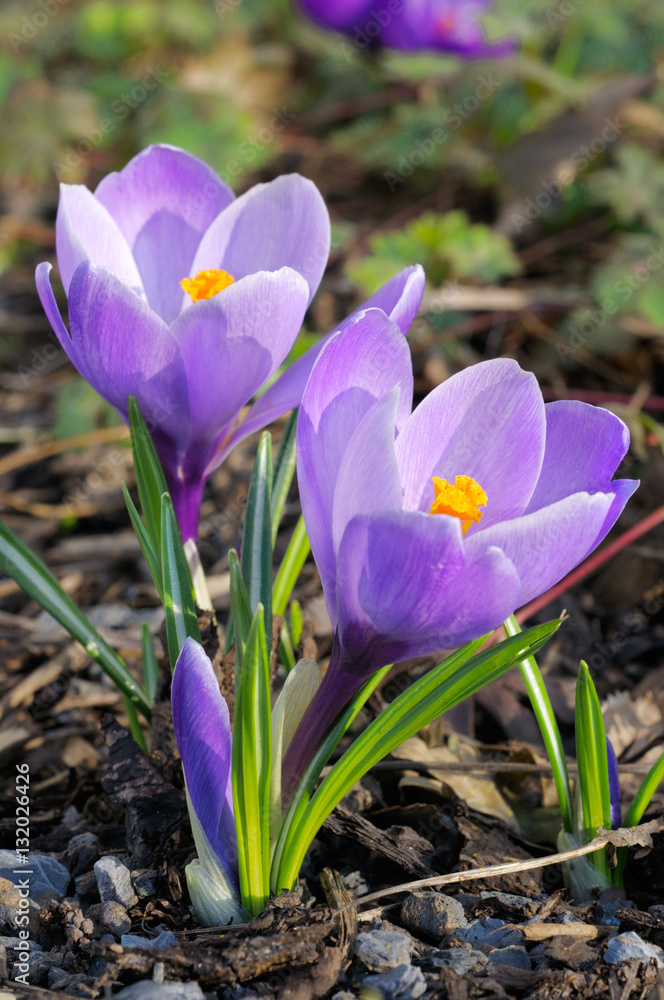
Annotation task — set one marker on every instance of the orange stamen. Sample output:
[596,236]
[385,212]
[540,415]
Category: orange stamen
[460,500]
[207,283]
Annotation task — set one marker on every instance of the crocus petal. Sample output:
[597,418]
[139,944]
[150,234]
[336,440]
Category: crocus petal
[358,365]
[545,545]
[281,224]
[614,785]
[202,728]
[47,298]
[164,198]
[399,298]
[122,348]
[84,230]
[368,477]
[231,344]
[486,422]
[405,587]
[584,447]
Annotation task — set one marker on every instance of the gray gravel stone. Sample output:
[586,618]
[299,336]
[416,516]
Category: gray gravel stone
[82,852]
[382,950]
[55,976]
[113,917]
[432,913]
[513,955]
[490,931]
[508,898]
[606,909]
[406,982]
[629,945]
[48,878]
[459,960]
[356,883]
[566,917]
[145,882]
[114,882]
[164,940]
[343,995]
[148,990]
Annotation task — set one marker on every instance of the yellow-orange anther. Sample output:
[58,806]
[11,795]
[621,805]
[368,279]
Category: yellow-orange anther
[460,500]
[207,283]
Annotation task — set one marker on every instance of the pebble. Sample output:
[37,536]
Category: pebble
[48,878]
[382,950]
[343,995]
[629,945]
[606,909]
[512,955]
[433,913]
[144,882]
[509,899]
[459,960]
[113,917]
[567,917]
[356,883]
[82,852]
[406,982]
[114,882]
[147,990]
[11,905]
[164,940]
[491,931]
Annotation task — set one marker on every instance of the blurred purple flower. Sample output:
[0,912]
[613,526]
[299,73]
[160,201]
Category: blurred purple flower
[409,562]
[193,358]
[408,25]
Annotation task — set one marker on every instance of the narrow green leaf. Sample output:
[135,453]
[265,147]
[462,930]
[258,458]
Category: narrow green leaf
[635,812]
[300,800]
[284,470]
[134,724]
[147,548]
[460,676]
[38,582]
[541,705]
[591,756]
[240,609]
[256,557]
[178,599]
[252,767]
[150,478]
[645,793]
[296,622]
[291,565]
[150,665]
[286,651]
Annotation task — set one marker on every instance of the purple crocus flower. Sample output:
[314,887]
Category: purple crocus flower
[431,528]
[614,786]
[408,25]
[188,299]
[202,728]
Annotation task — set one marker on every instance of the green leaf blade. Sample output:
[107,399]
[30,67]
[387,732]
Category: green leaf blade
[178,597]
[38,582]
[150,478]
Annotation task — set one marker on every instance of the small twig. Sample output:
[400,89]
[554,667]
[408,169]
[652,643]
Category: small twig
[489,767]
[513,867]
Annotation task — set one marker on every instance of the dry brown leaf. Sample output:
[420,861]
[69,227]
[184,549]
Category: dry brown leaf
[480,794]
